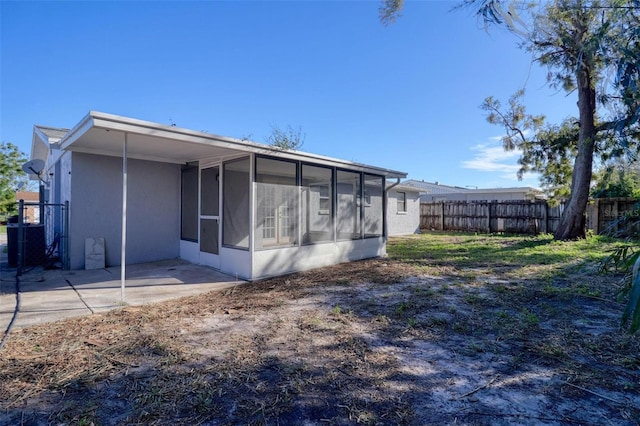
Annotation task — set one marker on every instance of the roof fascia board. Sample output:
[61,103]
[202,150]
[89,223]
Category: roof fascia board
[407,188]
[47,139]
[334,162]
[43,138]
[132,125]
[44,145]
[502,190]
[76,132]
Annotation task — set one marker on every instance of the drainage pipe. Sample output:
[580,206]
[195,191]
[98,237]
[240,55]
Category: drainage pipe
[384,208]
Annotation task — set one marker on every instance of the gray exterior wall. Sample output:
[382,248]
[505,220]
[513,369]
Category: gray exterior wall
[65,177]
[403,223]
[153,215]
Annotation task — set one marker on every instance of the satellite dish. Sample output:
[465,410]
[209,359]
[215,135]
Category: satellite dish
[33,166]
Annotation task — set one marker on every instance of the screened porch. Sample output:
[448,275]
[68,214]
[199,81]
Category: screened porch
[260,203]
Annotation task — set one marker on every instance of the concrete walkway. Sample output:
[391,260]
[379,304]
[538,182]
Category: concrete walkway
[55,294]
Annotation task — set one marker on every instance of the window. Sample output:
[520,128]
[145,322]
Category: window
[348,186]
[189,203]
[402,202]
[235,203]
[276,203]
[324,202]
[373,211]
[316,198]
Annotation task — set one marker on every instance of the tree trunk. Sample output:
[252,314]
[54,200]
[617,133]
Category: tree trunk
[572,223]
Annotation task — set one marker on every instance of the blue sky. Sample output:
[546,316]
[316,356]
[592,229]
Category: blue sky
[405,97]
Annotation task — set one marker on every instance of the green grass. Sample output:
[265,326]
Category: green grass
[3,229]
[466,250]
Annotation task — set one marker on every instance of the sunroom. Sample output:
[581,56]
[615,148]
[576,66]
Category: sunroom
[155,192]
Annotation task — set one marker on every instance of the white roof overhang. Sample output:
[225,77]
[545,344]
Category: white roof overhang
[103,134]
[408,188]
[39,148]
[519,189]
[39,145]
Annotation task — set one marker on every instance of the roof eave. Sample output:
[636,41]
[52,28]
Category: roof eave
[95,119]
[77,131]
[39,145]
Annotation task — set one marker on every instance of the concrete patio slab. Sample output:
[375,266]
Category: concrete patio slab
[55,294]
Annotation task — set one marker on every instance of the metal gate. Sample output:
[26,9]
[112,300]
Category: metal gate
[39,236]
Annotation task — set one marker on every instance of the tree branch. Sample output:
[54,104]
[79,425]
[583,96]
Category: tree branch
[510,127]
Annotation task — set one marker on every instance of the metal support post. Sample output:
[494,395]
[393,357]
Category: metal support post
[65,261]
[20,237]
[124,220]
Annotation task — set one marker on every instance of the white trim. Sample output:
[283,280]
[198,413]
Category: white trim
[39,148]
[206,258]
[252,203]
[123,255]
[78,130]
[125,124]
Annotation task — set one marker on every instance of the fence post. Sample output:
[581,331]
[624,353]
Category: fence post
[489,217]
[41,204]
[20,236]
[65,263]
[442,216]
[595,216]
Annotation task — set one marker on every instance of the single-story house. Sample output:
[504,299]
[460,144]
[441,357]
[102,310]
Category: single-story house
[154,192]
[436,192]
[403,210]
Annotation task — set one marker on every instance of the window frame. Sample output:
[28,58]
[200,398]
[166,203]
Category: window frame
[368,204]
[277,241]
[195,169]
[359,205]
[402,210]
[331,198]
[223,213]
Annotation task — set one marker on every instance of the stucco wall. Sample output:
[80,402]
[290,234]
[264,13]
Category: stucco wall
[403,223]
[153,215]
[291,259]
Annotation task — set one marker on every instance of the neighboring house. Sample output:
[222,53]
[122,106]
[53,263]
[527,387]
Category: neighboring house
[403,210]
[244,208]
[31,214]
[429,189]
[435,192]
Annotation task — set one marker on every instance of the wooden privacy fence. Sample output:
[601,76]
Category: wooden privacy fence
[527,217]
[517,217]
[614,216]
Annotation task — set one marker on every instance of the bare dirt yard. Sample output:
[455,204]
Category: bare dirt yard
[450,329]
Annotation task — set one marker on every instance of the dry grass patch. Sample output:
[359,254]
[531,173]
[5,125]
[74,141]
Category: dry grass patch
[411,340]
